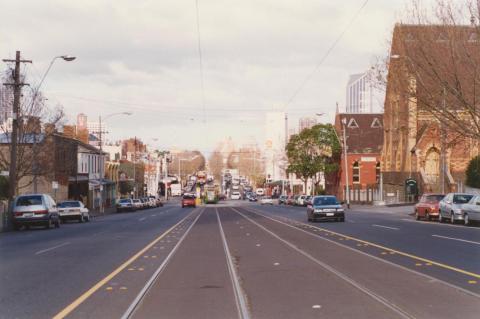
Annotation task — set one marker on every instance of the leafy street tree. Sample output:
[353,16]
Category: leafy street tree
[473,173]
[313,151]
[215,163]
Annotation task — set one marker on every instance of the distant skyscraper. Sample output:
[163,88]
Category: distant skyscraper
[306,122]
[359,94]
[81,121]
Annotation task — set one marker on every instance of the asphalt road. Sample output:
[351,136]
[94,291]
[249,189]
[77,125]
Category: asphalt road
[238,260]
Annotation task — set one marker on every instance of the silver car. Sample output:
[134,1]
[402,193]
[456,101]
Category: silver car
[73,209]
[35,210]
[471,210]
[450,207]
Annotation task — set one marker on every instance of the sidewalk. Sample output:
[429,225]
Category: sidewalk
[403,210]
[107,211]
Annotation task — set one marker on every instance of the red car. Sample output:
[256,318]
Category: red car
[188,200]
[427,207]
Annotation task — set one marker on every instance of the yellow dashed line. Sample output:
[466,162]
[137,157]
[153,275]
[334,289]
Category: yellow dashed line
[109,288]
[418,264]
[472,282]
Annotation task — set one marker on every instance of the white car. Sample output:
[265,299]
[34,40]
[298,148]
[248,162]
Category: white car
[73,209]
[266,200]
[235,195]
[235,187]
[260,192]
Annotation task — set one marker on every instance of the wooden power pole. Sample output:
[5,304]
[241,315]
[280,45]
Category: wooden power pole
[17,90]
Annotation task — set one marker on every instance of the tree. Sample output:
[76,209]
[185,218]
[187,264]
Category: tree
[313,151]
[34,147]
[473,173]
[437,54]
[215,163]
[248,162]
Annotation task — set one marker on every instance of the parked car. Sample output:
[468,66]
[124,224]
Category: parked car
[253,198]
[471,211]
[266,200]
[235,195]
[260,191]
[308,200]
[35,210]
[235,187]
[301,200]
[138,204]
[291,200]
[428,206]
[73,209]
[126,205]
[325,208]
[282,199]
[451,207]
[295,200]
[188,200]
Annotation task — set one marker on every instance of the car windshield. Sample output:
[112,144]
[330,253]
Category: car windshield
[325,201]
[137,201]
[69,204]
[434,198]
[125,201]
[29,200]
[461,199]
[188,197]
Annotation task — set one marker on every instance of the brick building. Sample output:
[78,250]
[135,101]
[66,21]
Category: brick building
[364,132]
[416,143]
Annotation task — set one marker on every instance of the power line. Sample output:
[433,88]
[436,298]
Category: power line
[200,59]
[324,57]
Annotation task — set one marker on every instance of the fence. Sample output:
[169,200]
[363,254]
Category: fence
[373,194]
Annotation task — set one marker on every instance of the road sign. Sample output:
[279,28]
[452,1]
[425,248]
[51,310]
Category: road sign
[4,173]
[54,185]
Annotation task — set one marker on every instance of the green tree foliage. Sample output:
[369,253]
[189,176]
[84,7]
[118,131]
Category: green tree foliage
[473,172]
[313,151]
[126,187]
[3,187]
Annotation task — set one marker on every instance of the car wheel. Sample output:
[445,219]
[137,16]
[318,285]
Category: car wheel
[427,216]
[466,220]
[81,219]
[417,217]
[57,223]
[452,218]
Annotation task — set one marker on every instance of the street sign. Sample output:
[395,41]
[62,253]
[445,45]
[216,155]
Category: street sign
[54,185]
[4,173]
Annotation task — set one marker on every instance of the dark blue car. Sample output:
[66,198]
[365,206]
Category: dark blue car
[325,208]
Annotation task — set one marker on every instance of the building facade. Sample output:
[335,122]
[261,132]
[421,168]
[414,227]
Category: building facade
[417,145]
[364,140]
[359,94]
[275,142]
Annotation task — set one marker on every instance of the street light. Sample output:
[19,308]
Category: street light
[347,181]
[67,58]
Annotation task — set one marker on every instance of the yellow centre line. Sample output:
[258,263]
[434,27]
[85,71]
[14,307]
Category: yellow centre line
[465,272]
[67,310]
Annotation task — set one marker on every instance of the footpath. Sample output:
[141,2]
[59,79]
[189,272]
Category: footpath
[400,210]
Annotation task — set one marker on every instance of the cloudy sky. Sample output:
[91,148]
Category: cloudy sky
[142,57]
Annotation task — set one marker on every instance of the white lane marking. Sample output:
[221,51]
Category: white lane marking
[142,219]
[438,224]
[138,299]
[350,221]
[52,248]
[316,306]
[237,289]
[276,264]
[154,215]
[393,228]
[458,239]
[332,270]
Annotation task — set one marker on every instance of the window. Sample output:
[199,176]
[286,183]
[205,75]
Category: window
[377,172]
[376,123]
[356,173]
[352,123]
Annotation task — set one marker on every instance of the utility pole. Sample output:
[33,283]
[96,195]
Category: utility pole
[347,181]
[134,168]
[443,145]
[17,90]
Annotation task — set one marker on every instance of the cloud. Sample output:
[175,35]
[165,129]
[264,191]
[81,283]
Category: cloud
[144,55]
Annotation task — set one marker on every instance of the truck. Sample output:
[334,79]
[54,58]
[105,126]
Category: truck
[176,189]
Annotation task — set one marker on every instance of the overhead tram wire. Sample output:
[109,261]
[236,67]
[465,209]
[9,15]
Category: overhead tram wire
[324,57]
[200,60]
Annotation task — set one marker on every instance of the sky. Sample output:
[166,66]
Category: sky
[143,57]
